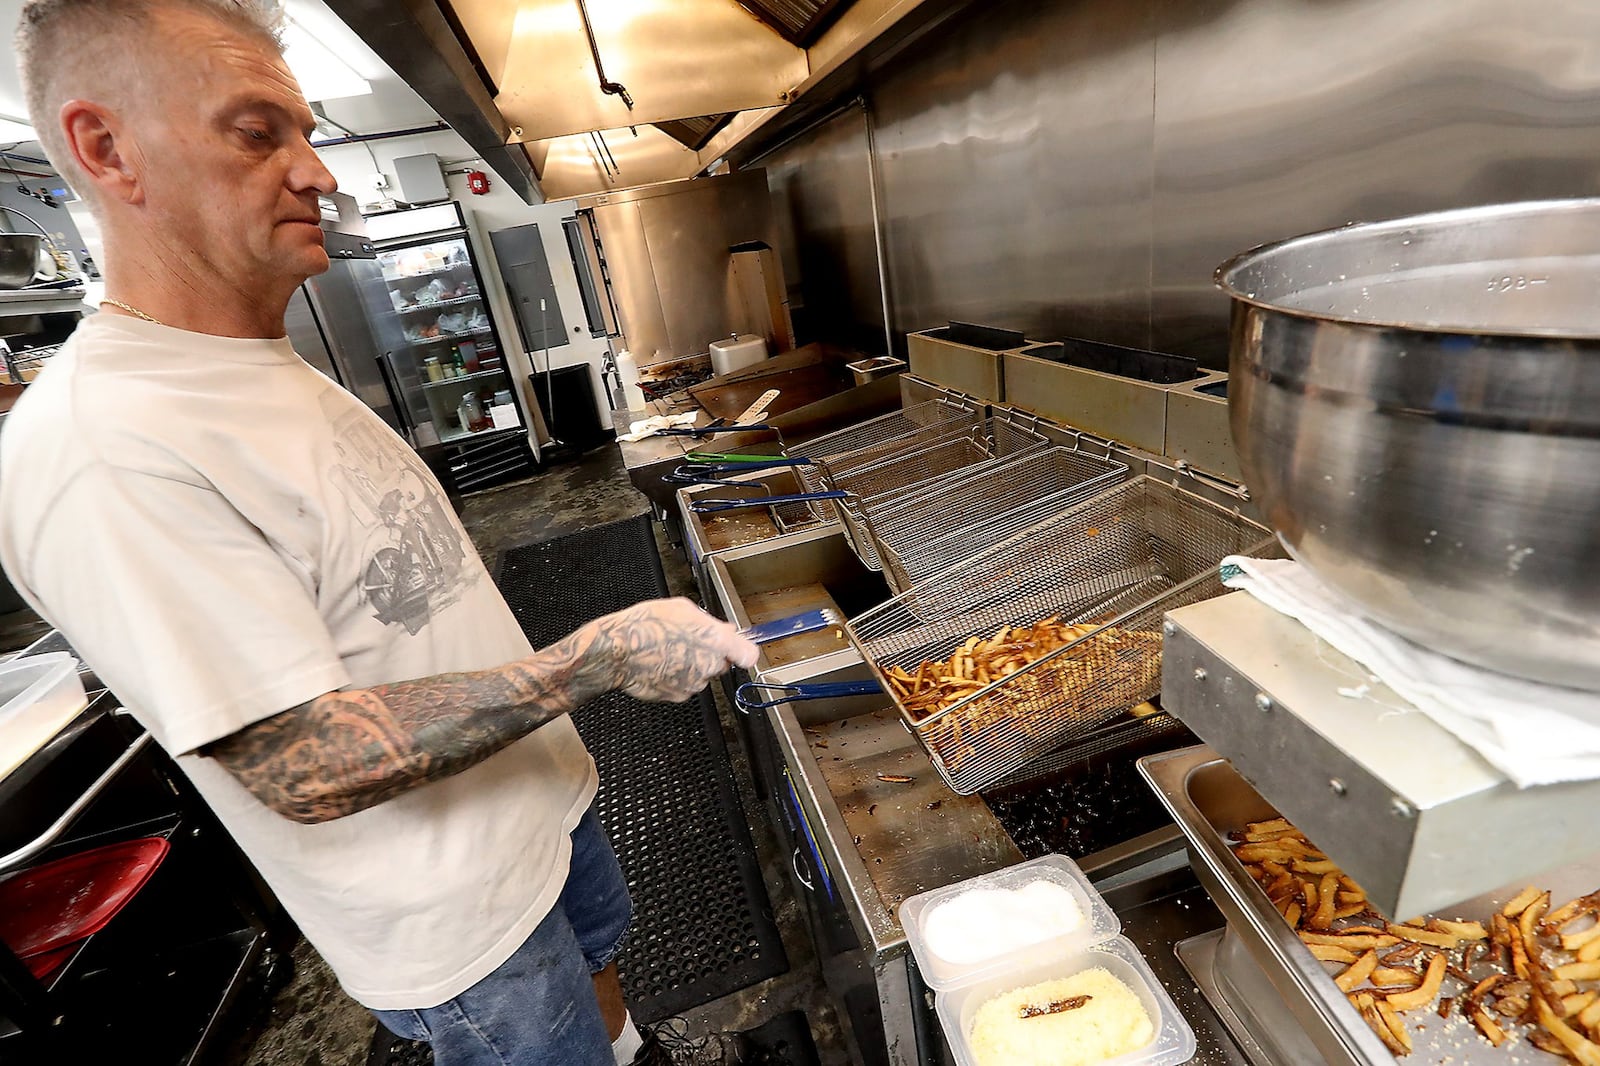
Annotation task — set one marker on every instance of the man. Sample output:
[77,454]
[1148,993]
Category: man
[201,514]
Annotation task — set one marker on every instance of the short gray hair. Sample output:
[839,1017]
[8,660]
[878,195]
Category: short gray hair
[57,39]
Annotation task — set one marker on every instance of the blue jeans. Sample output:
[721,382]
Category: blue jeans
[539,1006]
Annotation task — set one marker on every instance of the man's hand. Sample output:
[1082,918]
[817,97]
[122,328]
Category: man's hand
[346,751]
[667,650]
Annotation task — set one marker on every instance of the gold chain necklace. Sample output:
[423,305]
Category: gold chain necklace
[134,311]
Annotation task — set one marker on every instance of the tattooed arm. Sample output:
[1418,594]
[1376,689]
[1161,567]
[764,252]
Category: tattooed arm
[346,751]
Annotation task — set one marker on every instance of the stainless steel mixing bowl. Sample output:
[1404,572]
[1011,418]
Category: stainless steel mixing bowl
[19,258]
[1416,405]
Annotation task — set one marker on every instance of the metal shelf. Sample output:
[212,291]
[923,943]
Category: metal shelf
[454,301]
[483,434]
[456,380]
[447,268]
[451,337]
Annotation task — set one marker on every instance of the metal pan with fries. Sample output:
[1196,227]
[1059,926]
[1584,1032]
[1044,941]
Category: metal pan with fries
[1510,980]
[1048,636]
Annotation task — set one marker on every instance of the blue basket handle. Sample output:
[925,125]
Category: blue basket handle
[746,695]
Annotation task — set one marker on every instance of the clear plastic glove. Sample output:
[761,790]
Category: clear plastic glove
[667,650]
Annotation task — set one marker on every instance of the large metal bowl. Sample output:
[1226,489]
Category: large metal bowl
[1416,405]
[19,258]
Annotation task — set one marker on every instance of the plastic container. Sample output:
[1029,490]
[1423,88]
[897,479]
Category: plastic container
[39,695]
[1099,922]
[1173,1043]
[628,375]
[44,685]
[736,352]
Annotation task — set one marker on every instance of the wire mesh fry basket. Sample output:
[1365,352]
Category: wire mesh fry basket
[853,447]
[1020,649]
[887,435]
[920,474]
[987,505]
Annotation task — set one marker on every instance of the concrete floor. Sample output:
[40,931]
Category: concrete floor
[313,1023]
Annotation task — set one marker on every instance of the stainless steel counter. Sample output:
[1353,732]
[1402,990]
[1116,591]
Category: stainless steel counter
[886,840]
[864,840]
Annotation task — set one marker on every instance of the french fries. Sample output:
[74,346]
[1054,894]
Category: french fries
[1423,936]
[1389,977]
[1425,993]
[1529,969]
[1580,1047]
[1401,1040]
[1358,972]
[1331,953]
[1460,930]
[1579,971]
[1106,664]
[1519,903]
[1354,942]
[1487,1025]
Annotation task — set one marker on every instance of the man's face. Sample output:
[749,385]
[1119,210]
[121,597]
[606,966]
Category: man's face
[228,173]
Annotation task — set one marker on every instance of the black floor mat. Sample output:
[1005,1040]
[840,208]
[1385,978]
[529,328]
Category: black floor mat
[702,924]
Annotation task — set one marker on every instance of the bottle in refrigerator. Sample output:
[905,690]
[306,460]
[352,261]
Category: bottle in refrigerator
[435,371]
[472,416]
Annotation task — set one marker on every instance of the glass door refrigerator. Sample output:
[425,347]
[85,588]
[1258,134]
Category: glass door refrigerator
[443,359]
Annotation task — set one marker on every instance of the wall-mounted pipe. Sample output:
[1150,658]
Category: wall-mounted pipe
[875,185]
[388,135]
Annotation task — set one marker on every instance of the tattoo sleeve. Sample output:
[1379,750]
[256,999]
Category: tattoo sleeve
[346,751]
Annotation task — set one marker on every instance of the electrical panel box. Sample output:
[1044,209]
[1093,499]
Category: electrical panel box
[420,179]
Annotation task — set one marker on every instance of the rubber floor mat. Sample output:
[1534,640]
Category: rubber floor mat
[702,923]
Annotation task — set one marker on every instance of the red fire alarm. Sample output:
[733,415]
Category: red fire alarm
[478,182]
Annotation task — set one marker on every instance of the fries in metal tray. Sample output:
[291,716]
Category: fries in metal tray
[1522,973]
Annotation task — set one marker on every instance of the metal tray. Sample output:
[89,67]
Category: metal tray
[1209,799]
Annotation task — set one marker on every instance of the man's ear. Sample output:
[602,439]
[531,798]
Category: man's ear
[103,150]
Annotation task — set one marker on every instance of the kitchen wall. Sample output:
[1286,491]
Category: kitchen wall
[1080,167]
[498,209]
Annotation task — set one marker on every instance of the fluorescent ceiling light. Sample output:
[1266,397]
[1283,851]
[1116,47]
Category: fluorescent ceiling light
[14,132]
[321,74]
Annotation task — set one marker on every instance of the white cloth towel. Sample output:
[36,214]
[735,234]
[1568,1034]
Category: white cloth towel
[1535,734]
[646,427]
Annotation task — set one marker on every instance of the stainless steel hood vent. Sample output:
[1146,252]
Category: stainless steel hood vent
[694,133]
[522,81]
[799,22]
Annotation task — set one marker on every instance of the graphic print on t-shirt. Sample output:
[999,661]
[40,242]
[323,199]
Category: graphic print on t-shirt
[412,552]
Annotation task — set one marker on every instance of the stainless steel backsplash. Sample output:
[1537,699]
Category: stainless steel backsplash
[1080,167]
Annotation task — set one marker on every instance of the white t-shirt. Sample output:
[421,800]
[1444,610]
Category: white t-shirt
[223,534]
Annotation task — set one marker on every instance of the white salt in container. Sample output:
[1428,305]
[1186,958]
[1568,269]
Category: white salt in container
[1002,938]
[953,961]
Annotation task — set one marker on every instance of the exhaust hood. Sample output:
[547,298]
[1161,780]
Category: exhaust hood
[797,21]
[678,59]
[600,95]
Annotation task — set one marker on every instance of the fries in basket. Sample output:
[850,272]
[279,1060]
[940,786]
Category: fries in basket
[1507,976]
[1096,680]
